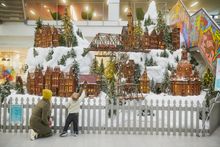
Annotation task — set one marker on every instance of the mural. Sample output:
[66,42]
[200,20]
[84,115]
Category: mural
[198,30]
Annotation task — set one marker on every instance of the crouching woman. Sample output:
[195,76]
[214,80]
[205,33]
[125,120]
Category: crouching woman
[39,121]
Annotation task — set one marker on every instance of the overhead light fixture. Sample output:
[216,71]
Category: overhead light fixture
[107,2]
[194,4]
[48,10]
[216,17]
[73,13]
[87,8]
[3,4]
[45,6]
[94,14]
[64,1]
[126,10]
[32,12]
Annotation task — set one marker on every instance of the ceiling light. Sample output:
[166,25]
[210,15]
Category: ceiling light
[194,4]
[3,4]
[32,12]
[107,2]
[48,10]
[73,13]
[94,14]
[64,1]
[87,8]
[45,6]
[216,17]
[126,9]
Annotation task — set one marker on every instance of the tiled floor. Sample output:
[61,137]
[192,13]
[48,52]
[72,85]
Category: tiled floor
[103,140]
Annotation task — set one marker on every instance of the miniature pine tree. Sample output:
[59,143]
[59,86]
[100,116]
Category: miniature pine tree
[25,68]
[75,42]
[19,88]
[104,84]
[94,66]
[5,90]
[152,85]
[38,24]
[207,79]
[71,53]
[62,60]
[166,82]
[167,38]
[146,62]
[148,22]
[169,67]
[35,53]
[137,73]
[79,33]
[177,59]
[110,70]
[160,22]
[138,29]
[68,34]
[50,55]
[75,68]
[151,61]
[101,68]
[164,54]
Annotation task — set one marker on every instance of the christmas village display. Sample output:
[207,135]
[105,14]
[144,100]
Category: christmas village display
[119,76]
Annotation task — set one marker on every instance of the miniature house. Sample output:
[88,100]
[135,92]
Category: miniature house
[144,86]
[60,83]
[47,36]
[184,81]
[128,71]
[93,84]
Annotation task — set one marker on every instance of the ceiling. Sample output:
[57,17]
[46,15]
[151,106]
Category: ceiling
[12,10]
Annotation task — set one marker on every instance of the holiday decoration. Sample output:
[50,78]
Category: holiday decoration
[134,39]
[19,85]
[92,84]
[144,86]
[184,81]
[60,83]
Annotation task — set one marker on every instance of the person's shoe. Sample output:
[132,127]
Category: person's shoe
[75,134]
[63,134]
[33,135]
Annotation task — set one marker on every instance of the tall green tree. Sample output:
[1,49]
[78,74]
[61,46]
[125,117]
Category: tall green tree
[165,85]
[68,33]
[137,73]
[94,67]
[101,68]
[50,55]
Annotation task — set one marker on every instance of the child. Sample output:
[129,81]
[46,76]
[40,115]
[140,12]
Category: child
[73,107]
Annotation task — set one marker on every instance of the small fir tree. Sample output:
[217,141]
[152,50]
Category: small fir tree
[160,22]
[79,33]
[35,53]
[208,79]
[167,38]
[164,54]
[94,66]
[152,85]
[146,62]
[38,24]
[50,55]
[177,59]
[62,60]
[5,90]
[71,53]
[75,42]
[19,88]
[137,73]
[101,68]
[165,85]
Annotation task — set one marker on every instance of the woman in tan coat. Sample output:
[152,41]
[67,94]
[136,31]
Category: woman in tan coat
[39,121]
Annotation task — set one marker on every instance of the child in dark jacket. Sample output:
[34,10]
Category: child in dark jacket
[73,107]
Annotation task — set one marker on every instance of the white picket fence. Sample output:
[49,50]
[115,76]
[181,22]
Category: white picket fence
[129,117]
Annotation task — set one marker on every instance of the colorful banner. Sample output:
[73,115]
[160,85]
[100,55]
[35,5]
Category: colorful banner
[16,114]
[199,30]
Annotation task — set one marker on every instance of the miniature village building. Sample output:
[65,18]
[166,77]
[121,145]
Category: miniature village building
[60,83]
[93,86]
[128,71]
[184,81]
[47,36]
[144,86]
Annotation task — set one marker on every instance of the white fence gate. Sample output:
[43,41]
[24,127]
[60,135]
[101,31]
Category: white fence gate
[126,117]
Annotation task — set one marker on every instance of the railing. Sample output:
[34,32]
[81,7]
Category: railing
[123,117]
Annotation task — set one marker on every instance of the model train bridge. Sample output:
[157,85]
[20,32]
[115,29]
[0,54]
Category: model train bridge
[104,42]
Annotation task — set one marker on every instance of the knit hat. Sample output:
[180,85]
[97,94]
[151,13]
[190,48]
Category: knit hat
[47,94]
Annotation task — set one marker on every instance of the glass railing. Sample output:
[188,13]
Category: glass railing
[81,10]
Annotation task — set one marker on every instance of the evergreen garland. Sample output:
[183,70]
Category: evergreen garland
[50,55]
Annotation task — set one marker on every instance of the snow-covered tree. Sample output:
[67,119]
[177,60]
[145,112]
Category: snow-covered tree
[208,79]
[62,60]
[164,54]
[137,73]
[5,90]
[148,22]
[35,53]
[68,34]
[165,85]
[50,55]
[160,22]
[177,59]
[152,85]
[71,53]
[94,67]
[101,68]
[79,33]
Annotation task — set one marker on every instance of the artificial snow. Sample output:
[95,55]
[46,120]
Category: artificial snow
[151,12]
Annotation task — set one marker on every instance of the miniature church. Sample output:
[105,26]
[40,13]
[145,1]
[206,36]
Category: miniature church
[185,81]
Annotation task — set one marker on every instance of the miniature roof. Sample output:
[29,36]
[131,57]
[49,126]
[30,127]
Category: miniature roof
[90,79]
